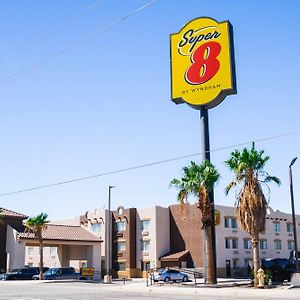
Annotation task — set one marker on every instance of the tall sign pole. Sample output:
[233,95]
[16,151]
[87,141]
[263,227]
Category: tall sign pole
[202,75]
[206,156]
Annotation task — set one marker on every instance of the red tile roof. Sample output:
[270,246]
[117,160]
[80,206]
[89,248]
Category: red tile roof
[11,214]
[174,256]
[64,233]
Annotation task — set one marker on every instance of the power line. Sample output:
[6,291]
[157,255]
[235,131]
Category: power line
[73,44]
[43,34]
[143,166]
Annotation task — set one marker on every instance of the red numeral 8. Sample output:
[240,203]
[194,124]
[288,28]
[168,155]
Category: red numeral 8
[204,63]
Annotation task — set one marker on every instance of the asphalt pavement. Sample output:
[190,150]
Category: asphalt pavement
[137,289]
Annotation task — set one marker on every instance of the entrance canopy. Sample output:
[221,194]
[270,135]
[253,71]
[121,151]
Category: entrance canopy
[74,243]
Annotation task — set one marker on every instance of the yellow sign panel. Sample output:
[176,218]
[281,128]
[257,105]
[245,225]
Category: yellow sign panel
[202,63]
[88,271]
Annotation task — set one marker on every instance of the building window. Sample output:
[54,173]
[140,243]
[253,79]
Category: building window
[247,244]
[289,227]
[120,226]
[277,244]
[227,243]
[226,222]
[276,226]
[233,223]
[145,245]
[263,244]
[121,266]
[30,251]
[235,263]
[145,225]
[96,228]
[145,265]
[235,243]
[291,245]
[230,222]
[248,262]
[53,250]
[231,243]
[121,245]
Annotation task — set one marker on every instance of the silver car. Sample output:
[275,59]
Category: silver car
[168,275]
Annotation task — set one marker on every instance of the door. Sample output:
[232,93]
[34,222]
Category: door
[228,268]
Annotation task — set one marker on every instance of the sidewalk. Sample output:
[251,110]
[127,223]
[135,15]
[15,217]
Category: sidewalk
[228,288]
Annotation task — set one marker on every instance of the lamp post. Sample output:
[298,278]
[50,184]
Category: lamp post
[293,214]
[108,277]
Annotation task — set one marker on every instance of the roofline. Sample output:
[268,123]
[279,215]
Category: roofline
[59,240]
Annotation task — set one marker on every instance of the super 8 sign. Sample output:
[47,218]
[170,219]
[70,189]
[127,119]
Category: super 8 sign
[202,63]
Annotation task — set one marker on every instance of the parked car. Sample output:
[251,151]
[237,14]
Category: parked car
[22,274]
[279,268]
[60,273]
[168,275]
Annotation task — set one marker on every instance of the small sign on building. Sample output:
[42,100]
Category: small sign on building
[88,271]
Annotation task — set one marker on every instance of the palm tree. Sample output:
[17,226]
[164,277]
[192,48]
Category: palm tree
[199,180]
[37,225]
[251,205]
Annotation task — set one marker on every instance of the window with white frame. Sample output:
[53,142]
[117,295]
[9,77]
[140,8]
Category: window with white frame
[235,244]
[233,223]
[291,245]
[231,243]
[289,227]
[277,244]
[145,225]
[276,226]
[230,222]
[121,245]
[30,251]
[145,245]
[247,244]
[263,245]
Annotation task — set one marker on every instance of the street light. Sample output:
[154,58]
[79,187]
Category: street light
[293,214]
[108,239]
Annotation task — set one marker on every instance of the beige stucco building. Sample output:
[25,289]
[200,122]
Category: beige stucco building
[151,237]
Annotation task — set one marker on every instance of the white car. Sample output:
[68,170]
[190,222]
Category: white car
[168,275]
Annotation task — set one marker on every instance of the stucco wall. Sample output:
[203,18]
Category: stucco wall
[243,255]
[15,250]
[162,232]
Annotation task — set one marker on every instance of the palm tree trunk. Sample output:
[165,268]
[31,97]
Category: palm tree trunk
[41,264]
[256,262]
[210,275]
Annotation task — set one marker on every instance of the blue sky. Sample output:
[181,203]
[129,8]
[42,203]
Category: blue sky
[104,104]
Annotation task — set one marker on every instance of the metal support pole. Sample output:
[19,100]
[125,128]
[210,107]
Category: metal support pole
[206,156]
[293,214]
[109,236]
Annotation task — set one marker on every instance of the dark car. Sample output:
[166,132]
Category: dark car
[22,274]
[60,273]
[279,268]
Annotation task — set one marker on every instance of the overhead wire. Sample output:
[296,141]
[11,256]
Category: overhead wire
[73,44]
[45,33]
[143,165]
